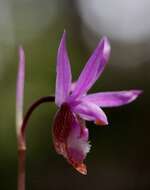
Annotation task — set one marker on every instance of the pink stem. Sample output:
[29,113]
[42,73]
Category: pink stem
[21,169]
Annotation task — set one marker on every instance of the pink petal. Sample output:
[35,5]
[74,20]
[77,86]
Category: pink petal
[92,69]
[78,146]
[20,89]
[113,99]
[91,111]
[63,79]
[78,139]
[70,137]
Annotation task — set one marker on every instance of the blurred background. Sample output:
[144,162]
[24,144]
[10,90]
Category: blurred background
[120,155]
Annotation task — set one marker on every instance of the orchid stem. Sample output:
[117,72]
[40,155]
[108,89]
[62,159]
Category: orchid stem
[21,169]
[22,141]
[32,108]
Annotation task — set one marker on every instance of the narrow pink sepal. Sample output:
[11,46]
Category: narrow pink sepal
[63,70]
[20,89]
[114,98]
[93,68]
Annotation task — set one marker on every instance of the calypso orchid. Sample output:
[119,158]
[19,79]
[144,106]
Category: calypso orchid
[70,135]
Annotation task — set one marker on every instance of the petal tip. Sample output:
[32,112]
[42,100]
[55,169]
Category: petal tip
[137,92]
[64,35]
[21,53]
[101,123]
[105,39]
[64,31]
[62,41]
[106,47]
[81,168]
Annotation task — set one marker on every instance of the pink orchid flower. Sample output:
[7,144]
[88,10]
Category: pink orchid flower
[70,135]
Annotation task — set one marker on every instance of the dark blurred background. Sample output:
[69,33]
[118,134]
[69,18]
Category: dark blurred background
[119,158]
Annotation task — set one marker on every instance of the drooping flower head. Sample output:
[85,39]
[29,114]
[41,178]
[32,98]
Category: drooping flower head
[70,135]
